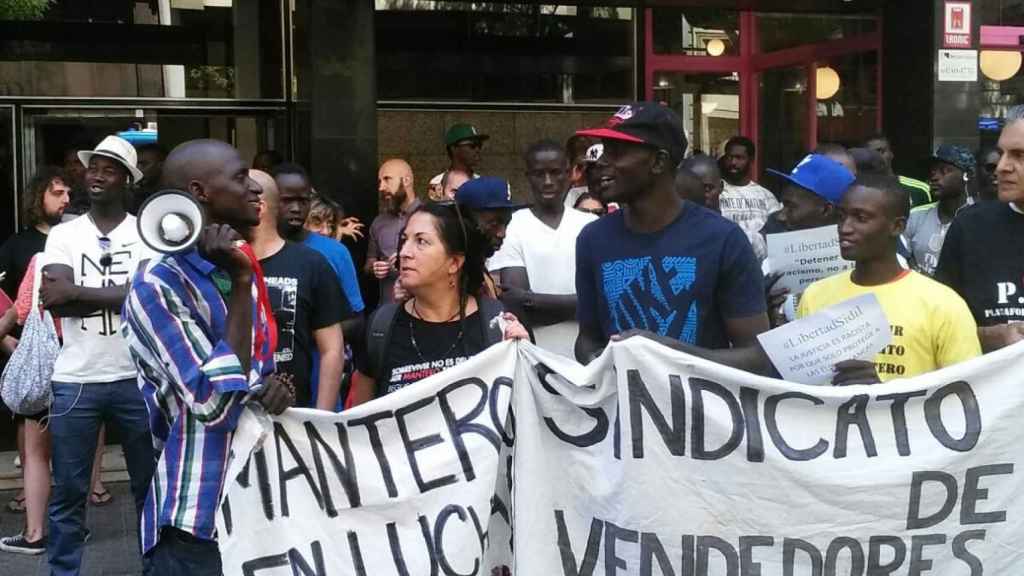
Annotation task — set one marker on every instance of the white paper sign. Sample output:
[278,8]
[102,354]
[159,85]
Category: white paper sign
[805,256]
[958,65]
[806,350]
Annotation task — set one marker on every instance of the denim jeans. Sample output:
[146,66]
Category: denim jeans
[179,553]
[78,410]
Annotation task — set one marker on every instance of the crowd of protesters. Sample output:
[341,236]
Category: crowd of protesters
[625,234]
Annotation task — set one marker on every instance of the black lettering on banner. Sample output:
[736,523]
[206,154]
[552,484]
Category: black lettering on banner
[899,417]
[917,480]
[396,547]
[357,554]
[378,447]
[482,535]
[832,556]
[960,551]
[300,469]
[251,567]
[899,555]
[689,555]
[704,546]
[640,401]
[569,564]
[747,544]
[918,563]
[650,550]
[345,473]
[755,442]
[789,549]
[973,493]
[617,433]
[587,439]
[859,418]
[414,445]
[972,416]
[225,511]
[508,435]
[698,450]
[612,534]
[439,526]
[299,565]
[771,406]
[262,479]
[459,426]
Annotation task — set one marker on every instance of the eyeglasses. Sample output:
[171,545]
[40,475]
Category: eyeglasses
[106,259]
[476,144]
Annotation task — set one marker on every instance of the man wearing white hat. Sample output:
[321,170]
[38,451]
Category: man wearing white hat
[89,262]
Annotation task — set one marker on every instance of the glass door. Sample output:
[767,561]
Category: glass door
[8,179]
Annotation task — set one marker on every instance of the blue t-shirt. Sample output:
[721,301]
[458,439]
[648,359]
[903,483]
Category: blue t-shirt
[341,261]
[683,281]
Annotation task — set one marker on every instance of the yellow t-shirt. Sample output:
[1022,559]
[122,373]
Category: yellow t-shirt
[931,325]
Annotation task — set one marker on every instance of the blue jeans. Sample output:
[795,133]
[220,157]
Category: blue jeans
[179,553]
[78,410]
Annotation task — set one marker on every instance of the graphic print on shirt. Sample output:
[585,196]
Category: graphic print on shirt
[1010,300]
[105,321]
[284,297]
[644,293]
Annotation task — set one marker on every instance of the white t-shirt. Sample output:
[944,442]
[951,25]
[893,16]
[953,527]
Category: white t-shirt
[749,207]
[94,350]
[549,256]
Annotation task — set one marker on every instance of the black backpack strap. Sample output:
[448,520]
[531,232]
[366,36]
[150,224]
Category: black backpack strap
[378,335]
[488,309]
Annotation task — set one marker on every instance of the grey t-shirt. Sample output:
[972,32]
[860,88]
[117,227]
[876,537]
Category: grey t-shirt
[384,233]
[925,234]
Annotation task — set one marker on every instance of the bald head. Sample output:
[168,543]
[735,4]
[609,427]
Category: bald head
[271,195]
[395,185]
[214,173]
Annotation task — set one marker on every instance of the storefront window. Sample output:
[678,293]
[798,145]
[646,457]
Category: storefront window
[779,31]
[783,117]
[849,116]
[709,105]
[497,52]
[696,31]
[170,48]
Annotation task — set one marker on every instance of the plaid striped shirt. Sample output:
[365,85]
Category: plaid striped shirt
[175,321]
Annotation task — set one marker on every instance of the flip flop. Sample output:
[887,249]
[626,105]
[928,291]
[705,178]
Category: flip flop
[100,499]
[16,505]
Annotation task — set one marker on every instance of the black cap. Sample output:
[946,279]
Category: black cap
[647,123]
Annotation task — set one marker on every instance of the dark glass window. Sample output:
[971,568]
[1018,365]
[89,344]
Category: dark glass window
[462,51]
[779,31]
[127,48]
[696,31]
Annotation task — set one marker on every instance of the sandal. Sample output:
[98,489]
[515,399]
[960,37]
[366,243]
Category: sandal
[17,504]
[101,498]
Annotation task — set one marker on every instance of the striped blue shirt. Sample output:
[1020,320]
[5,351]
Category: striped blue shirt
[175,321]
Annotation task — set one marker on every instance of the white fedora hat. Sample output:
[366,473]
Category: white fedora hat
[115,148]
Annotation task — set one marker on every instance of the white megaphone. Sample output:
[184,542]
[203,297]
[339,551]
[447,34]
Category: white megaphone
[170,221]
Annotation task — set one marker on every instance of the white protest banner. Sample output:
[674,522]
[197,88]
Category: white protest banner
[652,462]
[806,350]
[410,484]
[805,256]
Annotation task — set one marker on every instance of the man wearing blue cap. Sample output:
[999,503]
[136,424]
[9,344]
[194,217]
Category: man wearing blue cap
[950,171]
[537,264]
[488,200]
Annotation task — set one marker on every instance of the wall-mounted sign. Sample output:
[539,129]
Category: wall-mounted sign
[956,32]
[958,65]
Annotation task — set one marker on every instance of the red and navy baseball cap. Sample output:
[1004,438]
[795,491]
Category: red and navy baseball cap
[820,175]
[486,193]
[647,123]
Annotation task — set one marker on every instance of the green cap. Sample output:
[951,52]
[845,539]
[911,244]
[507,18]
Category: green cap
[459,132]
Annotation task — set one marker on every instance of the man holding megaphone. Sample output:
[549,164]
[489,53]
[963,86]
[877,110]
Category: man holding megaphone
[199,326]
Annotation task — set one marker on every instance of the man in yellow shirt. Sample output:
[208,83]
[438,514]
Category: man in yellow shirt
[931,325]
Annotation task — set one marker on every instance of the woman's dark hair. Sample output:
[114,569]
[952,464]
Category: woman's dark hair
[32,196]
[588,196]
[460,235]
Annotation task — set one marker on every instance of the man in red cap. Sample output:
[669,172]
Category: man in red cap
[663,267]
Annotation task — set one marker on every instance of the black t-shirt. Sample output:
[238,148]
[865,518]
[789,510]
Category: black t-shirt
[983,260]
[418,349]
[15,255]
[305,296]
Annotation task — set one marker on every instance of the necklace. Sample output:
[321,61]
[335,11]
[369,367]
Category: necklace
[412,334]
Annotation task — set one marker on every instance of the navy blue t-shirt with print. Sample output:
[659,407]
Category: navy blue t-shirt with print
[682,281]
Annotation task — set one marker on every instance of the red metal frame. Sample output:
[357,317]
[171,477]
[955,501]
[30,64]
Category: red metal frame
[751,62]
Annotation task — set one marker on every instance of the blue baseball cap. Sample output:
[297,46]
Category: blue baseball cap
[486,193]
[821,175]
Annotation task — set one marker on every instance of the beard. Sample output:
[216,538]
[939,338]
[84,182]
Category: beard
[393,204]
